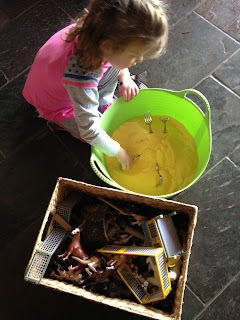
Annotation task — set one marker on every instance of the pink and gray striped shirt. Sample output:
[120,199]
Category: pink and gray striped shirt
[61,90]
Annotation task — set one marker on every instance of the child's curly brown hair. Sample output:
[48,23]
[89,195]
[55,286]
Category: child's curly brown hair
[121,22]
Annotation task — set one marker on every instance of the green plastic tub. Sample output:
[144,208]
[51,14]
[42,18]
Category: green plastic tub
[159,102]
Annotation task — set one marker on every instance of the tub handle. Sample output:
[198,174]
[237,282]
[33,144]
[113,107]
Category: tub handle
[96,169]
[207,116]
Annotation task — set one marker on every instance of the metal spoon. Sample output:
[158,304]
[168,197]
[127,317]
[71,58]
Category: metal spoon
[136,157]
[160,176]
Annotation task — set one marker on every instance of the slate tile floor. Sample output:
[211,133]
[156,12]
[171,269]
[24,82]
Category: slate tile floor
[203,53]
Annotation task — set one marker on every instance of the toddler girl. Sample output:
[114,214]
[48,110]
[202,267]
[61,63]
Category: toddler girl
[75,73]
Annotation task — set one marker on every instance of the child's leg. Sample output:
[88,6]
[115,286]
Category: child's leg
[106,88]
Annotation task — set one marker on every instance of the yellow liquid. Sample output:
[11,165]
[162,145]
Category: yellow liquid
[174,151]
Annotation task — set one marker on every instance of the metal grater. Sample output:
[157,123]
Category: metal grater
[134,285]
[64,208]
[43,255]
[157,254]
[160,232]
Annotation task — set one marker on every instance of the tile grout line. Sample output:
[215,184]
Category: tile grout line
[225,33]
[74,158]
[210,74]
[195,295]
[3,155]
[9,21]
[14,78]
[202,17]
[21,13]
[207,171]
[220,161]
[59,6]
[188,13]
[24,143]
[4,75]
[236,166]
[217,295]
[225,86]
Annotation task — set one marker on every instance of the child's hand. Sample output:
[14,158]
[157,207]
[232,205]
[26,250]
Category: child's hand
[124,159]
[127,87]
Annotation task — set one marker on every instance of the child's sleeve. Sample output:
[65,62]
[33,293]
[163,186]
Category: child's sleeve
[85,103]
[82,88]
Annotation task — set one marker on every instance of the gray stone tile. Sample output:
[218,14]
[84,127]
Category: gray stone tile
[229,73]
[190,55]
[93,178]
[175,9]
[31,30]
[215,252]
[178,9]
[80,154]
[225,118]
[3,18]
[73,7]
[79,151]
[224,14]
[226,306]
[27,182]
[191,305]
[2,156]
[2,79]
[18,119]
[14,8]
[235,157]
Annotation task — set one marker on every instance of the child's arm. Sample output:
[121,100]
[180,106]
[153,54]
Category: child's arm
[85,104]
[83,91]
[127,87]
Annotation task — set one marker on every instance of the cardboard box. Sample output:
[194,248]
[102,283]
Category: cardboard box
[62,189]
